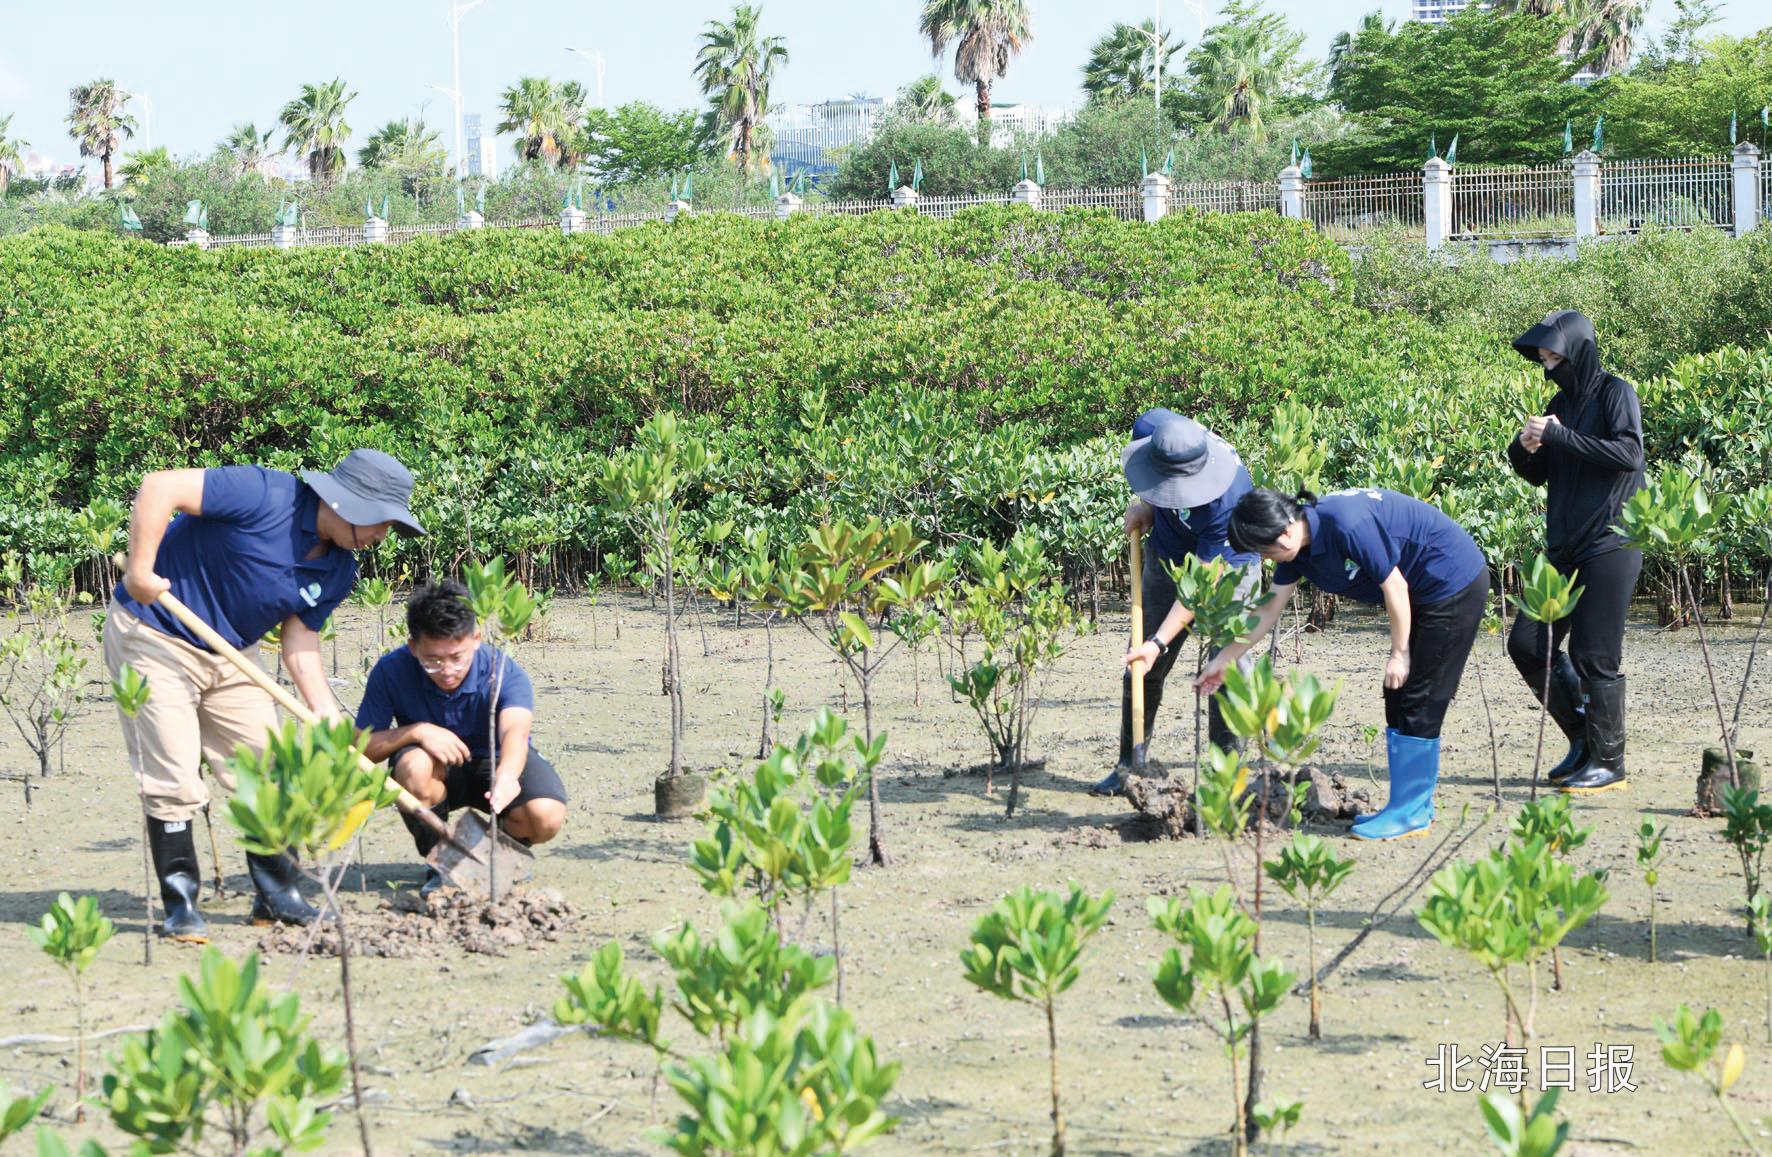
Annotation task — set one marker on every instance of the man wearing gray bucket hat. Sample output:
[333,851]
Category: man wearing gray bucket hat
[1187,480]
[246,549]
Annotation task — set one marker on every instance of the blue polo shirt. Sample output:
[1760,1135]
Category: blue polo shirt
[399,693]
[1359,536]
[243,564]
[1202,531]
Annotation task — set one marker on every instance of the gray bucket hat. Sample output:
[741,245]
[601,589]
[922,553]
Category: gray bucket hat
[1181,464]
[366,489]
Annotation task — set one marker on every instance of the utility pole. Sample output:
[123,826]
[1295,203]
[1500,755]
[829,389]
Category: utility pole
[457,9]
[596,59]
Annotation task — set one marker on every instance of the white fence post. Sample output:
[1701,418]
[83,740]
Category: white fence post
[197,237]
[677,208]
[786,206]
[470,220]
[1292,192]
[1027,193]
[1436,201]
[1154,190]
[904,197]
[572,220]
[1586,174]
[1747,187]
[375,231]
[283,236]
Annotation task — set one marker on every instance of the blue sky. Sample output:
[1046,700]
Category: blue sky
[208,64]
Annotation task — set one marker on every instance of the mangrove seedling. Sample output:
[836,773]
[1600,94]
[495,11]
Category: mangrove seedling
[97,527]
[234,1060]
[308,793]
[1215,956]
[1221,616]
[1747,826]
[745,583]
[377,594]
[839,577]
[503,607]
[1753,513]
[1690,1044]
[1308,870]
[1524,1134]
[1546,596]
[1507,910]
[1649,859]
[645,483]
[1028,949]
[1278,1117]
[1552,819]
[1674,516]
[42,667]
[1015,602]
[71,934]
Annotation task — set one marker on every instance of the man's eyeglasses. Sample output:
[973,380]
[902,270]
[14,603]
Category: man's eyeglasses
[438,666]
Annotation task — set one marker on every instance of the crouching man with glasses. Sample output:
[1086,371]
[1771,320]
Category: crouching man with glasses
[427,707]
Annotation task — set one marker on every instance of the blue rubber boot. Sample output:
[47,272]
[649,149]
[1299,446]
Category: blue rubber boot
[1415,770]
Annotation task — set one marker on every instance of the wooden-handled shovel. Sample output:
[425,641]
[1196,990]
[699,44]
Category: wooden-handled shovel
[408,802]
[1137,565]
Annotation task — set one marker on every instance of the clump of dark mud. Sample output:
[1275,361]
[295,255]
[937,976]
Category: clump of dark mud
[444,923]
[1163,805]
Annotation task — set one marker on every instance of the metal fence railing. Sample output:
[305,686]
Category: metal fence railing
[1345,207]
[398,234]
[1226,196]
[844,208]
[1125,201]
[1527,202]
[239,241]
[947,206]
[1676,193]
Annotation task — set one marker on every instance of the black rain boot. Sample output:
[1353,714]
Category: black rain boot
[1115,781]
[1568,709]
[1604,769]
[426,840]
[279,898]
[175,862]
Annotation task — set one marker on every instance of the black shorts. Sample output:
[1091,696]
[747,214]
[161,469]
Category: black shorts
[467,783]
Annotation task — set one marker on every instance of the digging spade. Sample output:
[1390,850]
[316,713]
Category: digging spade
[463,856]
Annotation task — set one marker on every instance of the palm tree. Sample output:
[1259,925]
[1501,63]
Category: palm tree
[545,116]
[1119,65]
[925,101]
[97,122]
[1345,49]
[988,32]
[314,123]
[11,152]
[1607,30]
[1243,63]
[144,167]
[249,148]
[401,144]
[735,65]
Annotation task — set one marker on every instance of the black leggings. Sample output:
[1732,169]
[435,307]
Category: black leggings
[1594,630]
[1440,639]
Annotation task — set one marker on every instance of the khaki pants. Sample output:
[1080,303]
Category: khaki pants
[200,708]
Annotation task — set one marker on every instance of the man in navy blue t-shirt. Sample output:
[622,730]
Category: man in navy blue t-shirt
[428,707]
[1186,481]
[246,549]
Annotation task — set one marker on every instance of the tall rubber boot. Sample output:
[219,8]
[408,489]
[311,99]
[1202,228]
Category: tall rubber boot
[1414,772]
[278,899]
[1604,768]
[1568,709]
[175,863]
[426,840]
[1115,781]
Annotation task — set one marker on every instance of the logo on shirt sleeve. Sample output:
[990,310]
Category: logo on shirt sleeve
[1353,569]
[310,594]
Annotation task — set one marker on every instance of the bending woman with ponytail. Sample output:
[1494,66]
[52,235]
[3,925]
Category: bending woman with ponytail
[1385,549]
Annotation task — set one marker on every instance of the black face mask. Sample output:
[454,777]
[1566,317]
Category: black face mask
[1563,373]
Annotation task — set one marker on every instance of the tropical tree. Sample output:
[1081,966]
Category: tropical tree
[735,65]
[404,146]
[545,116]
[143,167]
[1600,33]
[1244,65]
[314,124]
[637,142]
[1119,64]
[1348,47]
[986,33]
[248,148]
[12,152]
[925,101]
[97,123]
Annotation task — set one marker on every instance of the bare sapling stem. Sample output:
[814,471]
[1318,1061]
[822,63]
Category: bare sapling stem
[837,941]
[1494,751]
[1753,651]
[79,1047]
[1052,1057]
[1310,918]
[329,882]
[1550,647]
[1711,673]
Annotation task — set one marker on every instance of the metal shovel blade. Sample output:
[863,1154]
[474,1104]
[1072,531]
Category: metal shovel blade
[465,865]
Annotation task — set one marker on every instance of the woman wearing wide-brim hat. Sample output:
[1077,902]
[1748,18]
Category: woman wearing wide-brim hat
[1186,480]
[1385,549]
[1586,450]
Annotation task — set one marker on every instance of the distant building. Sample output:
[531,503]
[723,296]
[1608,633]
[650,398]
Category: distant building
[806,135]
[482,150]
[1436,11]
[1012,122]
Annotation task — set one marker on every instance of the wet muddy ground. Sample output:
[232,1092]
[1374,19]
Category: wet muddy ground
[1138,1077]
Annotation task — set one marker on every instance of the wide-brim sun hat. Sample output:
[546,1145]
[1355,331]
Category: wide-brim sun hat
[366,489]
[1181,464]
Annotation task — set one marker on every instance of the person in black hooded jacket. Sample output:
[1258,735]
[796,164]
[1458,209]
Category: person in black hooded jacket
[1587,452]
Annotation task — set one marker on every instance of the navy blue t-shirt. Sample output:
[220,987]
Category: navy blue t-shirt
[1359,536]
[243,565]
[399,693]
[1202,531]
